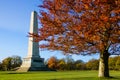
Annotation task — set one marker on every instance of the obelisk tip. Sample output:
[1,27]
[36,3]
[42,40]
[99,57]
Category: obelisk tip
[34,12]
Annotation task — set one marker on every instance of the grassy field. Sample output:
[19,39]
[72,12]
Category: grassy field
[58,75]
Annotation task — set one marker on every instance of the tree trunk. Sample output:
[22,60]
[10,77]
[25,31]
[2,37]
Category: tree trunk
[103,65]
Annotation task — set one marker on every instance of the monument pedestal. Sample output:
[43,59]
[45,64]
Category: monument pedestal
[33,64]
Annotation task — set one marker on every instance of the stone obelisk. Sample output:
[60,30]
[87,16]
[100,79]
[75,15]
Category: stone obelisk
[33,47]
[33,62]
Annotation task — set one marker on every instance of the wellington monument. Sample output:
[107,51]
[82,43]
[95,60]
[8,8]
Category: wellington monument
[33,61]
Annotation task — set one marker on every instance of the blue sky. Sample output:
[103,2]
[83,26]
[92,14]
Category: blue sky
[14,28]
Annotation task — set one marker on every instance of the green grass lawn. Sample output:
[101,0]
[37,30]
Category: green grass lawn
[58,75]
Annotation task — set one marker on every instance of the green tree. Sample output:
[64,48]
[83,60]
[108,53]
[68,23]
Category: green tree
[10,63]
[61,65]
[79,65]
[69,62]
[93,64]
[16,61]
[81,27]
[112,63]
[117,67]
[6,64]
[0,66]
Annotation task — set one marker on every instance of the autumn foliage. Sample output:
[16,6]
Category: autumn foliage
[52,62]
[76,26]
[81,27]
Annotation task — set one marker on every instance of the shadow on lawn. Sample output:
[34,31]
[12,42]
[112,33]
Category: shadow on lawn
[87,78]
[8,73]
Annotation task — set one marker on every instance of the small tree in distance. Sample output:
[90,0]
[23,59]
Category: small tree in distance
[92,64]
[6,64]
[81,27]
[52,63]
[10,63]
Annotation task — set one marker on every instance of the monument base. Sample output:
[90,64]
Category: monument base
[33,64]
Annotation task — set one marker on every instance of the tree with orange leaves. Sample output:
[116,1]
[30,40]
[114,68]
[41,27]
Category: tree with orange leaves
[81,27]
[52,63]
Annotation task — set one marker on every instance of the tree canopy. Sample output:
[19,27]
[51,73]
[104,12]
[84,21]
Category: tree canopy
[80,26]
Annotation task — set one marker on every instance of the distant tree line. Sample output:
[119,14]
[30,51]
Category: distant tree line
[10,63]
[69,64]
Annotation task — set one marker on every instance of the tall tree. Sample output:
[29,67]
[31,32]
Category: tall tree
[81,27]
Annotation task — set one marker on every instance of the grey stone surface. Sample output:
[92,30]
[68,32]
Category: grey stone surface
[33,61]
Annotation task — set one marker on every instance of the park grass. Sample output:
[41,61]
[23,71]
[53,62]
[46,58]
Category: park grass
[56,75]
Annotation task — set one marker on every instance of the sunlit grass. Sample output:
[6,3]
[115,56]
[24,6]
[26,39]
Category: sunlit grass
[57,75]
